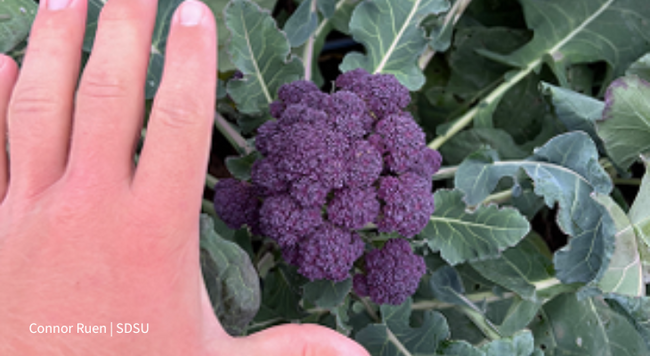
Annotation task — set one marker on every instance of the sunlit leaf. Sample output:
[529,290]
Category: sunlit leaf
[565,171]
[461,235]
[17,17]
[390,31]
[231,280]
[625,125]
[395,336]
[583,31]
[261,52]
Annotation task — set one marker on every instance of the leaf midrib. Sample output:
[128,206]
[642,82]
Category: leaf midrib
[391,49]
[458,221]
[254,60]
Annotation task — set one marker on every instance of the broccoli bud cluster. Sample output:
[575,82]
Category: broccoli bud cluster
[332,164]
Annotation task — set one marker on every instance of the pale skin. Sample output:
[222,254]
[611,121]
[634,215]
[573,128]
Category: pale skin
[85,235]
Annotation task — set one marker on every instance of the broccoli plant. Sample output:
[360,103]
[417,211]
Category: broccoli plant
[428,177]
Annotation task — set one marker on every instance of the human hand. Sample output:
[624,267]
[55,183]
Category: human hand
[86,237]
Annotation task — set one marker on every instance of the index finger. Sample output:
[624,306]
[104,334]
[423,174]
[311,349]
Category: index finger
[171,171]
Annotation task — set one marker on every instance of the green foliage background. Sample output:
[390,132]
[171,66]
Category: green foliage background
[541,109]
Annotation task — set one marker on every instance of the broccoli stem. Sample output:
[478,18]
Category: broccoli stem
[234,137]
[210,181]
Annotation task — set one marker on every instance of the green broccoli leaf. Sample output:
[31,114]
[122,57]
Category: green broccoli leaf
[462,236]
[519,268]
[578,112]
[231,279]
[16,17]
[281,295]
[520,344]
[565,171]
[581,31]
[390,31]
[636,310]
[240,167]
[469,141]
[625,128]
[261,52]
[640,218]
[640,68]
[302,23]
[625,272]
[327,294]
[217,7]
[395,337]
[569,326]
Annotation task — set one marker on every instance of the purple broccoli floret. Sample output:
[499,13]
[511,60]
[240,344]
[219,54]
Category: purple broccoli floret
[266,141]
[408,204]
[349,114]
[328,253]
[365,164]
[266,175]
[402,139]
[282,219]
[427,163]
[392,273]
[292,93]
[353,208]
[317,100]
[276,109]
[236,203]
[309,193]
[302,113]
[353,80]
[314,151]
[383,93]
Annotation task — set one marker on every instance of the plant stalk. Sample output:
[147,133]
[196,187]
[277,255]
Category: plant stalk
[468,117]
[308,50]
[454,15]
[234,137]
[210,181]
[445,173]
[488,329]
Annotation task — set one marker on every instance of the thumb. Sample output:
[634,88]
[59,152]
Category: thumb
[298,340]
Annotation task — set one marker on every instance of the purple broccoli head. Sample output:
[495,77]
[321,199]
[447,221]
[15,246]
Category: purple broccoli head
[392,273]
[332,164]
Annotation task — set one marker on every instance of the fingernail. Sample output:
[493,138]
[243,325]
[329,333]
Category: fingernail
[54,5]
[191,13]
[3,61]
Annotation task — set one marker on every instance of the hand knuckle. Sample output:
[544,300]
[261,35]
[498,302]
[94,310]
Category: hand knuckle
[177,115]
[101,85]
[31,100]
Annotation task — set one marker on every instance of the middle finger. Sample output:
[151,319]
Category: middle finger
[110,101]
